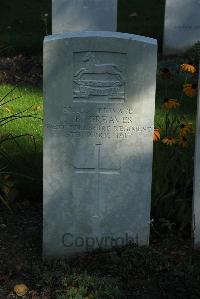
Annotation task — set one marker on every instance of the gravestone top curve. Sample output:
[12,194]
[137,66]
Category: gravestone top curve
[103,34]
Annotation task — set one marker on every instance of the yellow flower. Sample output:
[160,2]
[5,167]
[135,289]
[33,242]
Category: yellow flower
[183,141]
[171,103]
[156,135]
[165,73]
[190,89]
[188,67]
[185,129]
[8,109]
[38,107]
[169,140]
[20,289]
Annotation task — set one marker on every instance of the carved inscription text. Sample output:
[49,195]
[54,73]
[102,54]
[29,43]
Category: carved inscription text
[101,122]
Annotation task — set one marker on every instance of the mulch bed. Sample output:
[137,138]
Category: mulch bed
[20,70]
[23,69]
[20,243]
[21,258]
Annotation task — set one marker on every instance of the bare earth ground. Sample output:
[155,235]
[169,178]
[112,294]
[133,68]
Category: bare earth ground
[21,70]
[20,243]
[140,274]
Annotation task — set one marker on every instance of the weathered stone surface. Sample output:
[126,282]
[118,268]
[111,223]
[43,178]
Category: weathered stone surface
[99,93]
[182,25]
[84,15]
[196,197]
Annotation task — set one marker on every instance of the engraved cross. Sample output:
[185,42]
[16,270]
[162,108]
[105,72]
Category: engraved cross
[98,170]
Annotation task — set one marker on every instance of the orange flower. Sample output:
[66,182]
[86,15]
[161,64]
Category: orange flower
[165,73]
[185,129]
[156,135]
[190,89]
[183,141]
[188,67]
[171,103]
[169,140]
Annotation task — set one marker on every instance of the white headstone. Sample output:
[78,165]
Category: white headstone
[99,90]
[196,197]
[182,25]
[84,15]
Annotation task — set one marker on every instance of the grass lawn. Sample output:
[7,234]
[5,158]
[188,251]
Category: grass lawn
[22,26]
[22,148]
[27,99]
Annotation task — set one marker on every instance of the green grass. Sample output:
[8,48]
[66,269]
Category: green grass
[25,99]
[22,26]
[22,148]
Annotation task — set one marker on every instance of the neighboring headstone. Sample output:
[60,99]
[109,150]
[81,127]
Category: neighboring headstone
[84,15]
[182,25]
[99,90]
[196,197]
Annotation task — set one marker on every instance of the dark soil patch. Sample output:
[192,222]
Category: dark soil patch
[21,242]
[168,269]
[21,70]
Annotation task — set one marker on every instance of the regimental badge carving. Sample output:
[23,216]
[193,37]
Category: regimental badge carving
[97,80]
